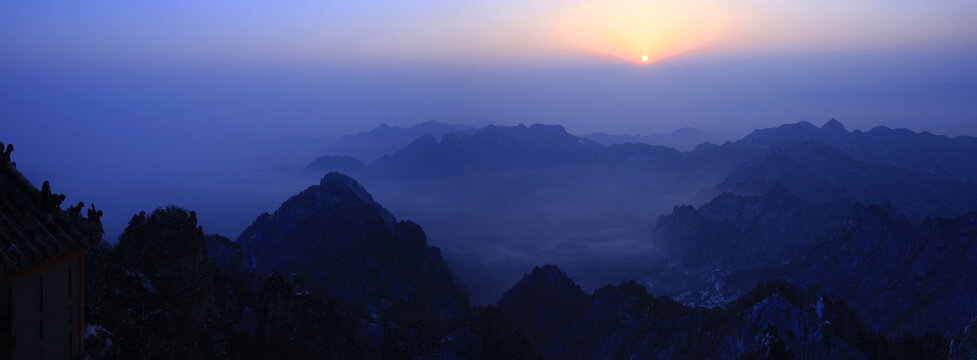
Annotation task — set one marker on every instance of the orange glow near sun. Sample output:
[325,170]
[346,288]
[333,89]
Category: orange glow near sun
[649,31]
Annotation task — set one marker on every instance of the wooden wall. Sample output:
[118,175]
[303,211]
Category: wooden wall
[43,313]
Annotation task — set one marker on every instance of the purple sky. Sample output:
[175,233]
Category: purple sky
[198,103]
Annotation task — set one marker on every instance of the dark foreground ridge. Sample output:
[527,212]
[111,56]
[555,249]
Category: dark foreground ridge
[349,281]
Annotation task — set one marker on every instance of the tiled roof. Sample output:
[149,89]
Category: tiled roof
[33,228]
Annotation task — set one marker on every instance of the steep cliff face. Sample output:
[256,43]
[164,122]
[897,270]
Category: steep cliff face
[734,232]
[169,291]
[336,234]
[899,277]
[965,346]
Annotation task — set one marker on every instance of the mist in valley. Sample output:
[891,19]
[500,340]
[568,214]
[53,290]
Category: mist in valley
[232,146]
[232,143]
[481,180]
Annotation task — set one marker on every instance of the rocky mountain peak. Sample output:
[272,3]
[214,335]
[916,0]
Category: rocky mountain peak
[552,278]
[334,181]
[833,126]
[544,303]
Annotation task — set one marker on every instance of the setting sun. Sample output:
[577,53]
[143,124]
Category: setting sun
[631,30]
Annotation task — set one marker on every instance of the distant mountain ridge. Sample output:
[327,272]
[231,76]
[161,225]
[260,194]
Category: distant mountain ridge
[683,139]
[573,194]
[385,139]
[819,174]
[495,147]
[490,148]
[928,156]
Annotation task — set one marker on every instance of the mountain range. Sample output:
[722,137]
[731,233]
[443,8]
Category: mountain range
[385,139]
[348,280]
[682,139]
[805,242]
[774,320]
[585,205]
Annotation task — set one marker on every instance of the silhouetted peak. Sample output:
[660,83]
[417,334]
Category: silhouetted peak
[382,128]
[801,125]
[549,274]
[626,290]
[833,126]
[548,128]
[437,128]
[689,209]
[335,180]
[544,303]
[422,145]
[783,135]
[549,277]
[425,146]
[545,287]
[411,234]
[774,289]
[534,129]
[706,147]
[880,129]
[161,238]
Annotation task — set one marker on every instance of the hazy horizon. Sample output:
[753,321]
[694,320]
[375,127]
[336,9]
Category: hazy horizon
[196,104]
[558,207]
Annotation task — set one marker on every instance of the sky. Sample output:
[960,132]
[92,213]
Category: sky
[203,104]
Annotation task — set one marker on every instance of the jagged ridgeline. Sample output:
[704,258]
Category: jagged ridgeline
[774,320]
[357,251]
[331,274]
[481,193]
